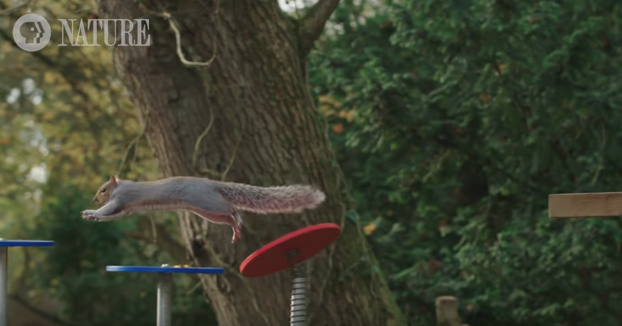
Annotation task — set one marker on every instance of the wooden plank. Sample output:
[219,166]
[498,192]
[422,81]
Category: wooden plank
[447,311]
[599,204]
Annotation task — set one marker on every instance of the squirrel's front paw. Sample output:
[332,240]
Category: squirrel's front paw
[89,215]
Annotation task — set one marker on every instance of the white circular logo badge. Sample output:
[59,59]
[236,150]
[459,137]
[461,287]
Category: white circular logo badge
[31,32]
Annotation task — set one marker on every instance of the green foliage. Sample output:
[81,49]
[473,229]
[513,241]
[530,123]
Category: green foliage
[75,266]
[66,125]
[74,269]
[454,121]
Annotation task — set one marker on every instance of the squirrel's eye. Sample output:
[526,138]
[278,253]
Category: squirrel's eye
[103,190]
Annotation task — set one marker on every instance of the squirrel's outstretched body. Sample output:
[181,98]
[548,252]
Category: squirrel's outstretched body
[215,201]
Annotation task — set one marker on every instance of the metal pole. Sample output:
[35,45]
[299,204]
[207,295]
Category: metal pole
[4,261]
[298,315]
[164,299]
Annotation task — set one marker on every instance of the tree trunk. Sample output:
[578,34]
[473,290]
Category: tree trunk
[266,131]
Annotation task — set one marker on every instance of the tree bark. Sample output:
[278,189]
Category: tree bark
[266,131]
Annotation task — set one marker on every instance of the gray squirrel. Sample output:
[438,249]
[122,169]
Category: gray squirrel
[217,202]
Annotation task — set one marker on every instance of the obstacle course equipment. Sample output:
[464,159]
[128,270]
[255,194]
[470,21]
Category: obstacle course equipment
[289,252]
[165,283]
[4,264]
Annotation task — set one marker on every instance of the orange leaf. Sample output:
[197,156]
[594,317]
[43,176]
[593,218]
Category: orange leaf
[369,228]
[501,67]
[349,115]
[49,78]
[338,128]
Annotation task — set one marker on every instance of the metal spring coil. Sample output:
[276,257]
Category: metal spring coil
[298,314]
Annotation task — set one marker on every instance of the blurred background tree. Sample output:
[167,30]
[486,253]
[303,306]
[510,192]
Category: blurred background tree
[452,121]
[66,124]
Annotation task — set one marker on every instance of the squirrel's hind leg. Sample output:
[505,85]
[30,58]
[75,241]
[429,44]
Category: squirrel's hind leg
[237,228]
[236,225]
[234,219]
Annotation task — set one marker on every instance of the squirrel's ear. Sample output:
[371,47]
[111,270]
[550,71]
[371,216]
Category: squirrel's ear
[113,179]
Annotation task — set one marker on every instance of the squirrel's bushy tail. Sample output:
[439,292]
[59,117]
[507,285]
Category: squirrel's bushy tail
[266,200]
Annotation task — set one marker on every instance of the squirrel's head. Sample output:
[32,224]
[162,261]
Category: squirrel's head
[105,191]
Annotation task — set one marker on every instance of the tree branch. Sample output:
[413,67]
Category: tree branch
[38,311]
[165,240]
[313,22]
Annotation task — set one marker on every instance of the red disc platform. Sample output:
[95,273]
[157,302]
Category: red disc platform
[290,250]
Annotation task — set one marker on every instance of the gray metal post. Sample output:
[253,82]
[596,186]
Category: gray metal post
[298,315]
[164,299]
[4,261]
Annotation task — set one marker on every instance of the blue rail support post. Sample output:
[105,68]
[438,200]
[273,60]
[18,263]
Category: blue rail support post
[164,299]
[4,264]
[165,284]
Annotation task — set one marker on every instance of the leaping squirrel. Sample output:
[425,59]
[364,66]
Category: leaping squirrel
[215,201]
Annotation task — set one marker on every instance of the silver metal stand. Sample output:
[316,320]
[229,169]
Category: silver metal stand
[4,261]
[164,299]
[298,315]
[165,284]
